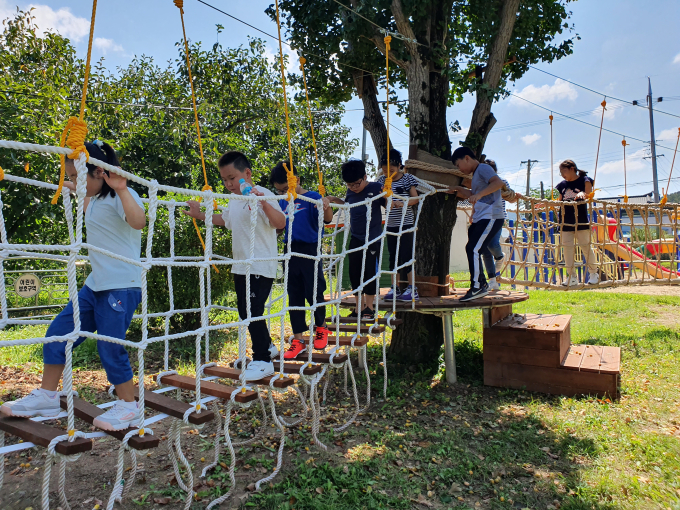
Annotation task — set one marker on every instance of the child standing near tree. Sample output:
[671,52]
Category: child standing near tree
[233,167]
[305,241]
[114,219]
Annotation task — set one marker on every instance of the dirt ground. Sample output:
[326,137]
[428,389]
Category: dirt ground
[647,290]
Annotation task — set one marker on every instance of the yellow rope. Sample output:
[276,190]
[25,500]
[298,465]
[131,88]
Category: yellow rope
[77,126]
[2,174]
[625,173]
[387,187]
[668,185]
[26,167]
[552,159]
[322,189]
[289,171]
[597,156]
[180,5]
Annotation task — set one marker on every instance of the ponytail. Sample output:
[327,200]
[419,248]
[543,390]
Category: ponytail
[103,152]
[569,163]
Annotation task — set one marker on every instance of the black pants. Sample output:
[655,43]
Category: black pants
[370,269]
[301,286]
[405,251]
[260,287]
[480,234]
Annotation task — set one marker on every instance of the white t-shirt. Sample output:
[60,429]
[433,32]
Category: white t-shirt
[237,218]
[107,229]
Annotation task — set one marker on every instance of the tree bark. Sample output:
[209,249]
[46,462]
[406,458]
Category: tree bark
[482,118]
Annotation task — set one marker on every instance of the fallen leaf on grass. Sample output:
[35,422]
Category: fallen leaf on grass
[251,487]
[424,444]
[319,490]
[422,500]
[345,469]
[162,501]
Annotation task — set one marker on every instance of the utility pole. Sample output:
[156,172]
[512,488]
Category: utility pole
[542,191]
[528,162]
[364,156]
[655,176]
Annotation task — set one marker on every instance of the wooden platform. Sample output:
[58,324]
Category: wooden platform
[208,388]
[447,303]
[42,435]
[344,341]
[534,352]
[172,407]
[234,374]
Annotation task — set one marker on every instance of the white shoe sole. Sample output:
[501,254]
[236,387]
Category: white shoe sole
[8,411]
[104,425]
[259,376]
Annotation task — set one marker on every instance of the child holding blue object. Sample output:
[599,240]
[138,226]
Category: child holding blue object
[235,167]
[305,240]
[114,218]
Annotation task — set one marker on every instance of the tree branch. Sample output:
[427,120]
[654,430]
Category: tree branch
[404,26]
[380,44]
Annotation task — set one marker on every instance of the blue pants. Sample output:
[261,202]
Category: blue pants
[494,252]
[109,313]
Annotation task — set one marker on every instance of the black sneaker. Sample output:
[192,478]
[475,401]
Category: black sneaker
[353,314]
[367,313]
[475,293]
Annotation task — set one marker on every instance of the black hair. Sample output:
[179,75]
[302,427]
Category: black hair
[395,158]
[569,163]
[353,170]
[492,164]
[461,152]
[106,154]
[236,158]
[279,175]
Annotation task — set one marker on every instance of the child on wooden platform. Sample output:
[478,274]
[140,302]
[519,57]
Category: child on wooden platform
[574,222]
[364,238]
[487,218]
[305,241]
[493,257]
[403,186]
[114,218]
[233,167]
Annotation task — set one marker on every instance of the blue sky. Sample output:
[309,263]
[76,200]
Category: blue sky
[623,42]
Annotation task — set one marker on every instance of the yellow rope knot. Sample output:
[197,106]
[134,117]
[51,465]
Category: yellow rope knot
[198,407]
[551,119]
[76,131]
[141,432]
[26,167]
[2,174]
[71,433]
[604,104]
[179,4]
[322,188]
[387,186]
[303,61]
[387,40]
[292,181]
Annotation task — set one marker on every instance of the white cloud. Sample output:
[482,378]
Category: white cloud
[106,45]
[668,135]
[546,94]
[635,162]
[293,63]
[676,60]
[509,138]
[529,139]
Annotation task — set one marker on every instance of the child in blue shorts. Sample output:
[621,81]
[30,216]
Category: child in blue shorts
[114,218]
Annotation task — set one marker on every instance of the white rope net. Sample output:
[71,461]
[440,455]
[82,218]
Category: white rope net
[330,258]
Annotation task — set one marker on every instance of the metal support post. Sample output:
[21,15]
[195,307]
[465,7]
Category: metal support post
[449,351]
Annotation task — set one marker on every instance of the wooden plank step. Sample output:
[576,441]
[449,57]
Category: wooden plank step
[593,358]
[351,328]
[574,357]
[234,374]
[42,435]
[294,368]
[344,341]
[88,412]
[172,407]
[321,357]
[353,320]
[208,388]
[546,323]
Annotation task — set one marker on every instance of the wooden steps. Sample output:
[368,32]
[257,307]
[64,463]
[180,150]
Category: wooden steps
[534,352]
[292,368]
[42,435]
[208,388]
[352,328]
[88,412]
[353,320]
[345,341]
[321,357]
[172,407]
[234,374]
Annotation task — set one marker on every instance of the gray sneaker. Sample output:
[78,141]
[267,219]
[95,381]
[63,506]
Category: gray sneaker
[36,403]
[119,417]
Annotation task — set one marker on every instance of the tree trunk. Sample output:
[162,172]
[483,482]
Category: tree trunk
[482,118]
[373,120]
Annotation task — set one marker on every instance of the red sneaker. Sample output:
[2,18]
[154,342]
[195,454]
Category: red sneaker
[320,337]
[296,348]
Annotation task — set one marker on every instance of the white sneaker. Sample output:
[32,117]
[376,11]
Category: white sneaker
[273,351]
[593,278]
[499,264]
[121,416]
[36,403]
[571,282]
[493,284]
[259,369]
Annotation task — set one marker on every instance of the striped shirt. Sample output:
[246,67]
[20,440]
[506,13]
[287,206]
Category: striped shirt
[402,187]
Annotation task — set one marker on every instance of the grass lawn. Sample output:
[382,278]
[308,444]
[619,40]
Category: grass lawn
[470,446]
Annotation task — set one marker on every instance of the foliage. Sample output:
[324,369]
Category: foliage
[674,197]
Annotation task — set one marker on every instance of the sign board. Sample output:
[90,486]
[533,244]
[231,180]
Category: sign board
[27,285]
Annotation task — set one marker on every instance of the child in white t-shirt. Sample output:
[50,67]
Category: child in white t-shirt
[114,218]
[233,167]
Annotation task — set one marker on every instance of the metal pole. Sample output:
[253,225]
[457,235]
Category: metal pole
[652,142]
[542,191]
[449,351]
[364,156]
[528,177]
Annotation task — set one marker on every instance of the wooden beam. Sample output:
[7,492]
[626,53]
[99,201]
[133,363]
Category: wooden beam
[42,435]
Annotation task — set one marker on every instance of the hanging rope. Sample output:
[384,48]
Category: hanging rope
[292,181]
[75,132]
[387,187]
[552,159]
[625,173]
[599,139]
[322,189]
[668,184]
[180,5]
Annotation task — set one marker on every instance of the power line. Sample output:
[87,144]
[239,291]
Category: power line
[382,29]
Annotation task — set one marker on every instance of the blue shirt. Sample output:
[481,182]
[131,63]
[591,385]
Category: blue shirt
[358,215]
[306,224]
[489,207]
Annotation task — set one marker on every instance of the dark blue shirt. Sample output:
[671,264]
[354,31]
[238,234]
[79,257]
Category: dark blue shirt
[357,215]
[306,224]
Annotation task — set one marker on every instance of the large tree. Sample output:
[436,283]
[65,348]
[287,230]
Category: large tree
[440,50]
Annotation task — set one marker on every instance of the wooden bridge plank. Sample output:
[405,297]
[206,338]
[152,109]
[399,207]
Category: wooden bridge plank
[173,407]
[42,435]
[209,388]
[321,357]
[294,368]
[235,374]
[353,320]
[344,341]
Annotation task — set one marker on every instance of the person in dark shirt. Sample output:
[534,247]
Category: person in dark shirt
[574,222]
[364,233]
[305,240]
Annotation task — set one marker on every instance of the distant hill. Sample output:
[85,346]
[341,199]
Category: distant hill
[674,197]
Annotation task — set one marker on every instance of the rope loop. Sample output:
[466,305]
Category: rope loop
[292,181]
[387,40]
[179,4]
[73,136]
